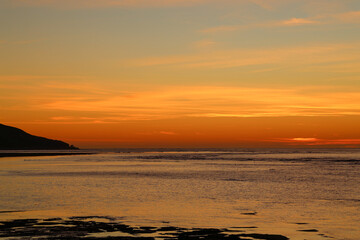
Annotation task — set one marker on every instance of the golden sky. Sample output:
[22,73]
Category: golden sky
[182,73]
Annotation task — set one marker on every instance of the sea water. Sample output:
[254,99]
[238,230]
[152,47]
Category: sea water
[298,193]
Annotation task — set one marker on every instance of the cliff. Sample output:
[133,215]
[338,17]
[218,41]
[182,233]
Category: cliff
[12,138]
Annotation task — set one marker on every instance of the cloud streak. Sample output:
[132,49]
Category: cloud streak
[212,102]
[316,141]
[271,24]
[286,56]
[297,22]
[348,17]
[352,17]
[268,5]
[108,3]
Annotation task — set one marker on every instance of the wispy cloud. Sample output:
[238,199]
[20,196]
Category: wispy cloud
[297,22]
[270,24]
[304,139]
[268,5]
[348,17]
[107,3]
[61,118]
[286,56]
[334,18]
[271,4]
[316,141]
[212,102]
[167,133]
[206,43]
[70,104]
[265,4]
[224,28]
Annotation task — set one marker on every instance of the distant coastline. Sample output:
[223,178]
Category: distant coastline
[39,154]
[12,138]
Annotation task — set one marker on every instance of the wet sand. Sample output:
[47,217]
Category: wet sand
[98,227]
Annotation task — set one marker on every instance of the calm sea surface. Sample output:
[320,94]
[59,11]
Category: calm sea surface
[277,191]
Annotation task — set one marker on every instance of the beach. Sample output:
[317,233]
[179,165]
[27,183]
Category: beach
[239,194]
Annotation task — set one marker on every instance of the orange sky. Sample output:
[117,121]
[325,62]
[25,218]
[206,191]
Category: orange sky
[184,73]
[209,132]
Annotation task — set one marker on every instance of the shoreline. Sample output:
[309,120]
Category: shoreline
[41,154]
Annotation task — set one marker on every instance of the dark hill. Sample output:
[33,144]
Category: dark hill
[12,138]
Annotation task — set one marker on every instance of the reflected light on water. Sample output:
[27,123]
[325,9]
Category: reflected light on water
[276,192]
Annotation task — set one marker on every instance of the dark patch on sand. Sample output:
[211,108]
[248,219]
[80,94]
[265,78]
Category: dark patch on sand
[52,219]
[249,213]
[245,227]
[170,228]
[10,211]
[88,228]
[325,236]
[232,180]
[308,230]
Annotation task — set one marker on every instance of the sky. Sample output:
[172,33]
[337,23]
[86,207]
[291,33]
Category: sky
[182,73]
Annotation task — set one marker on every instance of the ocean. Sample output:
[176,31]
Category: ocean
[291,193]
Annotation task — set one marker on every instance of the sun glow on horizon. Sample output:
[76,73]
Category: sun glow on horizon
[182,73]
